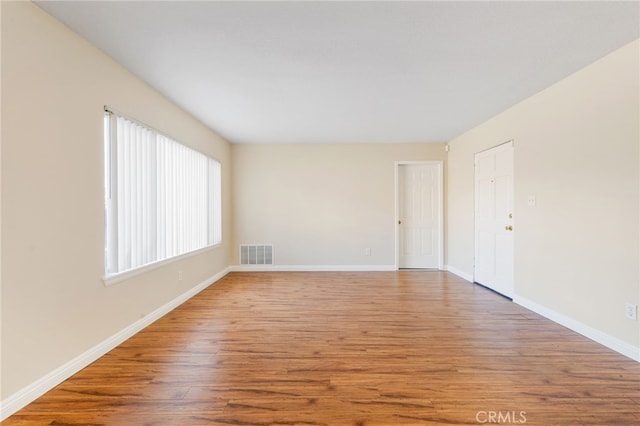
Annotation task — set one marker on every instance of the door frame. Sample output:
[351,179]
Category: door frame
[510,143]
[440,176]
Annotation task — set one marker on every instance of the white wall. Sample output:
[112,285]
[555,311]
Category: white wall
[320,204]
[577,150]
[54,304]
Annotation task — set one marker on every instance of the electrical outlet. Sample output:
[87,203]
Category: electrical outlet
[367,252]
[180,275]
[631,311]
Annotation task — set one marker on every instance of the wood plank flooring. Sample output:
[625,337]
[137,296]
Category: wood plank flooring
[329,348]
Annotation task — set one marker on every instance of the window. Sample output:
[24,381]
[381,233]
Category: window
[162,199]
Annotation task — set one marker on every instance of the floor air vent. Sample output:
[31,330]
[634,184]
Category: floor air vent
[256,254]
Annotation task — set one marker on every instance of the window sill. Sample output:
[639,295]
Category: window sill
[122,276]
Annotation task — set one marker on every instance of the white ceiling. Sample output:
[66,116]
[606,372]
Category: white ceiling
[303,72]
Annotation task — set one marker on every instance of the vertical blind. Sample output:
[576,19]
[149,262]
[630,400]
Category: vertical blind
[163,199]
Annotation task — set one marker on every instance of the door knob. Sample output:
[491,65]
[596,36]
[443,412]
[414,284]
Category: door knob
[509,228]
[399,222]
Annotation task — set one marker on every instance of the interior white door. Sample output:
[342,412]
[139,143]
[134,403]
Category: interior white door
[493,266]
[420,215]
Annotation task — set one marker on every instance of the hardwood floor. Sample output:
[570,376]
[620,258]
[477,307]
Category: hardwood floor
[378,348]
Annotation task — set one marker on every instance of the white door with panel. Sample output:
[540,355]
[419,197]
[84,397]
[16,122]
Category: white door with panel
[420,215]
[493,265]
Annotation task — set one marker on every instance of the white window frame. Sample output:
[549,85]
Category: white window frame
[172,207]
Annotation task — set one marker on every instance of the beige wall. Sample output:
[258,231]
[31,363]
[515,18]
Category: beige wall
[576,150]
[320,204]
[54,304]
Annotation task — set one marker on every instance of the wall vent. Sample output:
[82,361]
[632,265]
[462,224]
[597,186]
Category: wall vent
[256,254]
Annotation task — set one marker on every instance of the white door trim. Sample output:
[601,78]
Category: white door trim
[440,174]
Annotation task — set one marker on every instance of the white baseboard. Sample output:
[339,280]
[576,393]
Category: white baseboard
[459,273]
[28,394]
[598,336]
[313,268]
